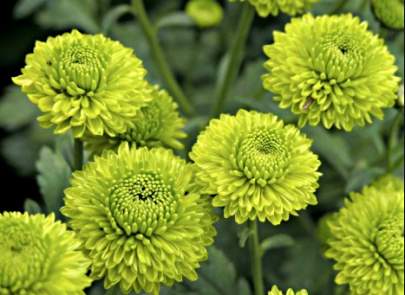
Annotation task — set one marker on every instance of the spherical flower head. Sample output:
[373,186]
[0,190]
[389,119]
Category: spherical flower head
[330,69]
[39,256]
[273,7]
[158,124]
[367,242]
[257,167]
[390,12]
[84,83]
[140,220]
[389,182]
[205,13]
[276,291]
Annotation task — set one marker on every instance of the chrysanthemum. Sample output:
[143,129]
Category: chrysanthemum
[205,13]
[156,124]
[275,291]
[389,182]
[390,12]
[256,166]
[38,256]
[330,69]
[291,7]
[141,221]
[367,242]
[84,83]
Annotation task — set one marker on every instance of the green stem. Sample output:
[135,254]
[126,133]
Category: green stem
[160,60]
[234,58]
[392,140]
[78,154]
[256,258]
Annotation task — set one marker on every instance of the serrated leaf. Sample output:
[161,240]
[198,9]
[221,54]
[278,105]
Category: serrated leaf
[54,176]
[24,8]
[15,109]
[32,207]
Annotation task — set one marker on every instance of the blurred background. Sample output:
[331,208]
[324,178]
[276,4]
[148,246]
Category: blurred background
[33,175]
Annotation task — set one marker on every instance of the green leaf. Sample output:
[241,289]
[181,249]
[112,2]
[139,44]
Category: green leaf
[277,241]
[176,19]
[54,177]
[113,15]
[24,8]
[15,109]
[244,235]
[32,207]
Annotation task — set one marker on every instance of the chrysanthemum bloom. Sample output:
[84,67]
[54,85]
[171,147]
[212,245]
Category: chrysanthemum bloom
[156,124]
[291,7]
[390,12]
[276,291]
[367,242]
[38,256]
[140,219]
[330,69]
[256,166]
[389,182]
[84,83]
[205,13]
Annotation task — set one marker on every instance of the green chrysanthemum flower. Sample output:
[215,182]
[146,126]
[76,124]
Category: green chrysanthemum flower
[275,291]
[38,256]
[205,13]
[156,124]
[389,182]
[84,83]
[367,242]
[330,69]
[291,7]
[140,219]
[256,166]
[390,12]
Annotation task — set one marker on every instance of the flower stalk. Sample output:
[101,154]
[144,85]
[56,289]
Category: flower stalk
[256,258]
[159,57]
[77,154]
[234,58]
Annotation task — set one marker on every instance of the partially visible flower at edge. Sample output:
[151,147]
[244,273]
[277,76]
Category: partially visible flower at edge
[390,12]
[38,256]
[84,83]
[205,13]
[276,291]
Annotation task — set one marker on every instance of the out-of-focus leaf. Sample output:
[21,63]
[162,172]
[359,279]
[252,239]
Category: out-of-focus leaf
[113,15]
[244,235]
[176,19]
[277,241]
[21,149]
[64,14]
[24,8]
[32,207]
[332,147]
[362,176]
[15,109]
[54,177]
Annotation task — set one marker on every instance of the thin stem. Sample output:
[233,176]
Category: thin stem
[256,258]
[78,154]
[393,139]
[234,58]
[159,57]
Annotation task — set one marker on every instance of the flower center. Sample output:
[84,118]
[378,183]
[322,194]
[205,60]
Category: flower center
[23,257]
[142,203]
[263,155]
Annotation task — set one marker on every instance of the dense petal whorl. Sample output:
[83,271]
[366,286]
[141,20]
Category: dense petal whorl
[276,291]
[256,166]
[158,124]
[330,69]
[84,83]
[367,240]
[390,12]
[38,256]
[273,7]
[141,220]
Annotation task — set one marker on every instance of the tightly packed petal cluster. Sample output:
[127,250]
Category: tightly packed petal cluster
[367,241]
[158,124]
[38,256]
[330,69]
[140,219]
[291,7]
[276,291]
[390,12]
[256,166]
[84,83]
[205,13]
